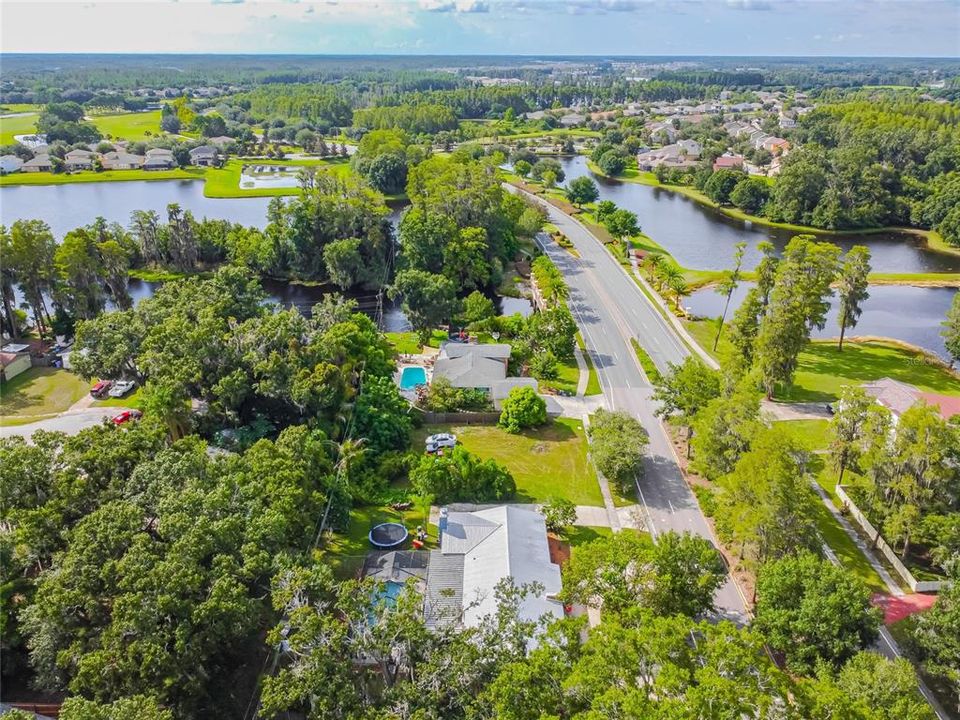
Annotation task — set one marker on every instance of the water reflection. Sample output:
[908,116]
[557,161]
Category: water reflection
[704,238]
[910,314]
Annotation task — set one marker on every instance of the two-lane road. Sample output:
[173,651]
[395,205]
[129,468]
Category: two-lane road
[611,309]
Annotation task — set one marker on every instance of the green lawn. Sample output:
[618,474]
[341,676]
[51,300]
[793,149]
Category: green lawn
[45,178]
[128,126]
[824,371]
[646,362]
[846,549]
[348,549]
[593,380]
[23,125]
[812,434]
[568,377]
[225,182]
[407,343]
[546,462]
[132,400]
[8,108]
[39,393]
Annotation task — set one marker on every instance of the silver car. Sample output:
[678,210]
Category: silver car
[440,440]
[121,388]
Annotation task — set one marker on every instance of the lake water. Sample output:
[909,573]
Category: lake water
[697,236]
[65,207]
[909,314]
[704,238]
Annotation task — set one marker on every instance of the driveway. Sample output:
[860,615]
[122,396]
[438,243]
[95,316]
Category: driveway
[70,422]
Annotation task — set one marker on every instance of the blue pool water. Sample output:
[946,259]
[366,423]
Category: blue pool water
[387,596]
[411,377]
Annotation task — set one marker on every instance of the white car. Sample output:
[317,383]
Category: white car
[440,440]
[121,388]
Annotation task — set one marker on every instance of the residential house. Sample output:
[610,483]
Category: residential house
[728,162]
[776,145]
[681,154]
[221,140]
[118,160]
[690,148]
[159,159]
[10,164]
[898,397]
[478,550]
[40,163]
[203,156]
[467,365]
[79,160]
[662,131]
[14,359]
[787,120]
[572,120]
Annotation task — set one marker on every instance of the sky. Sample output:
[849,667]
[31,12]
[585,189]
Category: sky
[528,27]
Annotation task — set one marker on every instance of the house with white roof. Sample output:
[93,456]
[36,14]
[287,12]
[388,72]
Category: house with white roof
[478,550]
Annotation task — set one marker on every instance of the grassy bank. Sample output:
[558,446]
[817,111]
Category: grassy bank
[87,176]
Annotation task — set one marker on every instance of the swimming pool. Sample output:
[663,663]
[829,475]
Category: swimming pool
[412,376]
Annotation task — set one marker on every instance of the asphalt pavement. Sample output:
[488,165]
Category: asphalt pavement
[70,422]
[611,309]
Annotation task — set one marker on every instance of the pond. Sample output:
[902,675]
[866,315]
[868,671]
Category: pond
[910,314]
[703,238]
[269,176]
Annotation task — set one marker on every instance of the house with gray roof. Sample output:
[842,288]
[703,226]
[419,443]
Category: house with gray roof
[10,164]
[118,160]
[468,365]
[204,156]
[40,163]
[478,550]
[158,159]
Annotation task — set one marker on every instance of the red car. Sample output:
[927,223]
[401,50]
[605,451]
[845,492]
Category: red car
[101,388]
[127,416]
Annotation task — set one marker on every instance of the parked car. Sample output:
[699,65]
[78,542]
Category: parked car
[101,388]
[127,416]
[121,388]
[440,440]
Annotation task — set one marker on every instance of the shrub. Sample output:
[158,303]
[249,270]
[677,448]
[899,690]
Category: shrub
[521,409]
[558,513]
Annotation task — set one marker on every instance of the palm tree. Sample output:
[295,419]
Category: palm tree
[667,273]
[679,288]
[348,451]
[652,263]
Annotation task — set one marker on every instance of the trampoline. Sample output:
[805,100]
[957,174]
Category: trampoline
[386,536]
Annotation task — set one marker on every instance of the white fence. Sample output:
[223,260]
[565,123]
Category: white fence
[881,544]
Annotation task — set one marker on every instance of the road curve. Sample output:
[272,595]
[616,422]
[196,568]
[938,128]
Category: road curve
[610,310]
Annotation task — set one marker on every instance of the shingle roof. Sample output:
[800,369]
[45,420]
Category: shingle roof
[896,396]
[444,599]
[490,350]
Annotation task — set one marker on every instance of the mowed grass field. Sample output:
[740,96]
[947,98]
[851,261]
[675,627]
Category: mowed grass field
[128,126]
[20,125]
[824,370]
[546,462]
[39,393]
